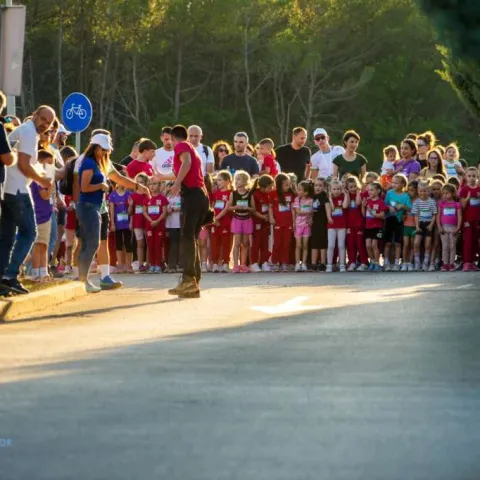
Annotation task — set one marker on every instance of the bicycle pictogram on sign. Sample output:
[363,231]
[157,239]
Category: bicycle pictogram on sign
[76,110]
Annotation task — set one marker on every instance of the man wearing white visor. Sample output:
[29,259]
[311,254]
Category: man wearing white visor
[322,161]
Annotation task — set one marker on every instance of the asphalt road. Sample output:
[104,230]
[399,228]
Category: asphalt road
[266,377]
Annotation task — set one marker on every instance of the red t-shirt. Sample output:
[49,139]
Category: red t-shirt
[355,218]
[194,177]
[282,212]
[136,166]
[138,201]
[219,202]
[339,216]
[471,212]
[155,209]
[379,206]
[262,201]
[270,162]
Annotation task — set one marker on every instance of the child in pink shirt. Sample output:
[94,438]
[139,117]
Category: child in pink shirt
[302,217]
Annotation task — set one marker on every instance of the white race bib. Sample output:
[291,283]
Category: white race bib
[122,217]
[337,212]
[449,212]
[353,204]
[138,209]
[305,208]
[153,209]
[264,208]
[219,205]
[283,208]
[475,202]
[242,203]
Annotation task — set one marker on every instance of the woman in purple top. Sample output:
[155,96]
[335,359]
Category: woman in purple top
[408,165]
[120,224]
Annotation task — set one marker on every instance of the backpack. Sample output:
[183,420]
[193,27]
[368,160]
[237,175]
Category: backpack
[66,183]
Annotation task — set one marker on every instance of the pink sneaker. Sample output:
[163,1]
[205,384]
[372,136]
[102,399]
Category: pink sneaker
[236,269]
[445,268]
[244,269]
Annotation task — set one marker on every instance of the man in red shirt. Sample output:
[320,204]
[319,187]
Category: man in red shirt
[187,167]
[146,150]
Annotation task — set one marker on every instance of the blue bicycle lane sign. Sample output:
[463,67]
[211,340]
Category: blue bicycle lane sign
[77,112]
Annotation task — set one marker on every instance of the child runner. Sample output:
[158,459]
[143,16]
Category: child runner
[436,193]
[302,218]
[355,227]
[390,156]
[452,162]
[204,236]
[221,239]
[173,230]
[242,206]
[136,204]
[374,209]
[262,192]
[280,214]
[120,224]
[425,210]
[408,165]
[337,225]
[470,200]
[409,230]
[319,238]
[398,203]
[43,206]
[449,223]
[155,213]
[268,165]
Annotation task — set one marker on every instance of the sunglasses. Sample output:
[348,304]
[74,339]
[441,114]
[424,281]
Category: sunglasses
[320,137]
[421,144]
[222,150]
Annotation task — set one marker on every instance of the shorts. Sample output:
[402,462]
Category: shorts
[139,233]
[61,216]
[242,227]
[71,223]
[302,231]
[123,239]
[104,226]
[409,232]
[424,232]
[373,233]
[43,232]
[393,230]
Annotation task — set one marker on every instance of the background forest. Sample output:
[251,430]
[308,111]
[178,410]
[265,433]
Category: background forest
[255,65]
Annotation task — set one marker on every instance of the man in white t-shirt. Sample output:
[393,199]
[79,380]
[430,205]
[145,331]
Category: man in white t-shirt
[162,162]
[322,165]
[195,135]
[17,207]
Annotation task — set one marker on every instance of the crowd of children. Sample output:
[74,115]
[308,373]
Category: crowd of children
[388,222]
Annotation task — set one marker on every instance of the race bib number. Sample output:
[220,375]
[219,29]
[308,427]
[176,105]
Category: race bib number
[337,212]
[219,205]
[153,209]
[449,212]
[475,202]
[425,215]
[264,208]
[242,203]
[122,217]
[138,209]
[284,208]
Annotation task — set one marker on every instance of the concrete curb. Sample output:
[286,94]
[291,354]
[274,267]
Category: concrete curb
[15,307]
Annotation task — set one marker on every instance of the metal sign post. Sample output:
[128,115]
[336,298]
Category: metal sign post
[76,115]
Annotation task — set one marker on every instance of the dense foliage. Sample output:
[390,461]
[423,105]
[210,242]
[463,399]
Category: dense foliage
[263,66]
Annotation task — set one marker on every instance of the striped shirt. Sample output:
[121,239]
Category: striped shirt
[425,209]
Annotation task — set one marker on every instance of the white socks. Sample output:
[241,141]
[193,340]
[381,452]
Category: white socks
[104,271]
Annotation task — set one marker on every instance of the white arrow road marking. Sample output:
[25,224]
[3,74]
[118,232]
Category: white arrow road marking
[292,306]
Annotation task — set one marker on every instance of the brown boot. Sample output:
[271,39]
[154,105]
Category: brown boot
[190,295]
[188,286]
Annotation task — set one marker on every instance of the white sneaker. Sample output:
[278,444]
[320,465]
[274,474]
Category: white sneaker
[396,267]
[352,267]
[387,267]
[68,270]
[225,268]
[404,267]
[285,268]
[255,268]
[342,269]
[329,269]
[135,265]
[204,267]
[304,268]
[431,268]
[410,267]
[362,268]
[298,267]
[215,268]
[266,267]
[424,267]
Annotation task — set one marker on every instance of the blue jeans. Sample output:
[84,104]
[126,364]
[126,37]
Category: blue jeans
[89,220]
[17,213]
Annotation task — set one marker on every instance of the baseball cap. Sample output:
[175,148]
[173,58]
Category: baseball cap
[320,131]
[62,129]
[105,141]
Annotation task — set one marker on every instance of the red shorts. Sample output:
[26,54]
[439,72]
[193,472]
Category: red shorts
[71,223]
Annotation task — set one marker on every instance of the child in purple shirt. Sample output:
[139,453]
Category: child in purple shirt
[408,165]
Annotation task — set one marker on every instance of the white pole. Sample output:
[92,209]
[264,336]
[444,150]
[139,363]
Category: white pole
[11,110]
[77,142]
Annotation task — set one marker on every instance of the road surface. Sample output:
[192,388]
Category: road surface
[266,377]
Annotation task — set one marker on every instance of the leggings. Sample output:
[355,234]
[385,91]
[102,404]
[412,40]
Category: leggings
[259,252]
[356,245]
[470,241]
[336,235]
[155,242]
[449,243]
[173,247]
[282,241]
[221,245]
[123,239]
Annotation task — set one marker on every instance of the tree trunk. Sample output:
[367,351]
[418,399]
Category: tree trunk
[246,53]
[59,60]
[178,84]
